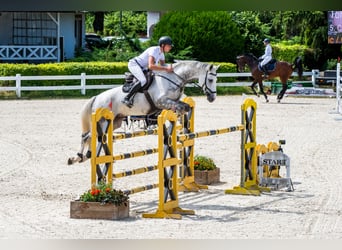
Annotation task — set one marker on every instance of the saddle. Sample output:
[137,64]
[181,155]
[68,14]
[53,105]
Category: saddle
[130,81]
[270,66]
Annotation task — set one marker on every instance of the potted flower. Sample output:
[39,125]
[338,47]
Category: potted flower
[206,172]
[101,202]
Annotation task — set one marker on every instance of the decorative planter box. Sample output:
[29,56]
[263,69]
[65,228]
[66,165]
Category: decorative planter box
[206,177]
[94,210]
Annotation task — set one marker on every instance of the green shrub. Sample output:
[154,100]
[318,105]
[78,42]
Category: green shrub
[104,193]
[212,35]
[204,163]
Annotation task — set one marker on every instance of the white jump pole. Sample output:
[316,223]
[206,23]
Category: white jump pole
[338,87]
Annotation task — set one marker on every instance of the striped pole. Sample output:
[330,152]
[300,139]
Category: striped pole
[141,189]
[135,171]
[206,133]
[135,154]
[135,134]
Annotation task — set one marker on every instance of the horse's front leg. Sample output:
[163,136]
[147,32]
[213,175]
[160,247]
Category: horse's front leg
[261,87]
[85,141]
[253,89]
[178,106]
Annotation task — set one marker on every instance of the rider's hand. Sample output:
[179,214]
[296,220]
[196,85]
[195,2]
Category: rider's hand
[169,68]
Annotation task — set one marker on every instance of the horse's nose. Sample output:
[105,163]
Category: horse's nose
[211,97]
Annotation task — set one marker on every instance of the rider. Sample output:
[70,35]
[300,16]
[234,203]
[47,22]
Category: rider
[266,57]
[152,58]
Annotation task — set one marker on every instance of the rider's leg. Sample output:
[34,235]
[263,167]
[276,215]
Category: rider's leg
[128,100]
[136,70]
[263,66]
[265,71]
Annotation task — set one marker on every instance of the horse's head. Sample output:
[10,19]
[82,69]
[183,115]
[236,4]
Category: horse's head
[241,63]
[207,79]
[246,59]
[204,72]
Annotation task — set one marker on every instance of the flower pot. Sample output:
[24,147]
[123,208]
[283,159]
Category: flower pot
[207,177]
[96,210]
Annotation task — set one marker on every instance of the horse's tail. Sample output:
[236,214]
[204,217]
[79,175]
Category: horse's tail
[86,115]
[298,64]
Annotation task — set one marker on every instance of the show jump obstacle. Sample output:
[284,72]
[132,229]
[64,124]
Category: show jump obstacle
[176,173]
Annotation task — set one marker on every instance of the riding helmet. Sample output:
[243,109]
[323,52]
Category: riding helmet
[165,40]
[266,40]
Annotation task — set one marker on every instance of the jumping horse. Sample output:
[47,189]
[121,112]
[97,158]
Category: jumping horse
[164,92]
[280,69]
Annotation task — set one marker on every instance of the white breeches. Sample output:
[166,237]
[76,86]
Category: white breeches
[265,60]
[136,70]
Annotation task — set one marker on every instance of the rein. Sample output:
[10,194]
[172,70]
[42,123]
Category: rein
[173,82]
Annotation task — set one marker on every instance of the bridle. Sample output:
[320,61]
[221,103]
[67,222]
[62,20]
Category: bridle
[204,86]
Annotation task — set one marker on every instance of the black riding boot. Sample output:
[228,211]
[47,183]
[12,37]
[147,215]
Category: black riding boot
[130,96]
[265,71]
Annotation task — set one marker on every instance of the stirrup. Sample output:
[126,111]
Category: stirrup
[129,103]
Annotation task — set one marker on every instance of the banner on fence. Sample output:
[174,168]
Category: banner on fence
[335,27]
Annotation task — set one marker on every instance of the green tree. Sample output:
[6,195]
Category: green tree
[252,29]
[311,28]
[132,23]
[211,35]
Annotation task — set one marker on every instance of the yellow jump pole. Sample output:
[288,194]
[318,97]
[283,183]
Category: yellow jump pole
[102,140]
[249,168]
[187,175]
[168,163]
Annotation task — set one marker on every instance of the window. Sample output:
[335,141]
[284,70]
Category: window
[34,28]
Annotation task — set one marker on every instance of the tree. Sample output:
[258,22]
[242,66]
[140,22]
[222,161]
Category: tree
[252,29]
[132,23]
[312,28]
[211,35]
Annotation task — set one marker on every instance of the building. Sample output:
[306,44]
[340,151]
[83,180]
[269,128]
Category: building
[40,36]
[33,32]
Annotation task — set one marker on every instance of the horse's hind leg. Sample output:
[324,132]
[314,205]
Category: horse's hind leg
[282,92]
[80,157]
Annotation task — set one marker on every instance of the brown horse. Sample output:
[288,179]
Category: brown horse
[282,69]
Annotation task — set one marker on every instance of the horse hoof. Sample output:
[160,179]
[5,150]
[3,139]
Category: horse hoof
[69,161]
[267,100]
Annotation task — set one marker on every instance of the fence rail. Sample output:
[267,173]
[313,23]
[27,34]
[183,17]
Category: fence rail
[83,77]
[28,52]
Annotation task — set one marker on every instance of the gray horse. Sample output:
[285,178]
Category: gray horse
[164,92]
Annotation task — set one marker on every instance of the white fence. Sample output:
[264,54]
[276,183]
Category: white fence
[18,88]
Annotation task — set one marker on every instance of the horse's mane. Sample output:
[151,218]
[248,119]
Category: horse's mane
[251,55]
[189,68]
[197,64]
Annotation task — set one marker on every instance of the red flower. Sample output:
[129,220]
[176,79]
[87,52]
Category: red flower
[107,190]
[95,191]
